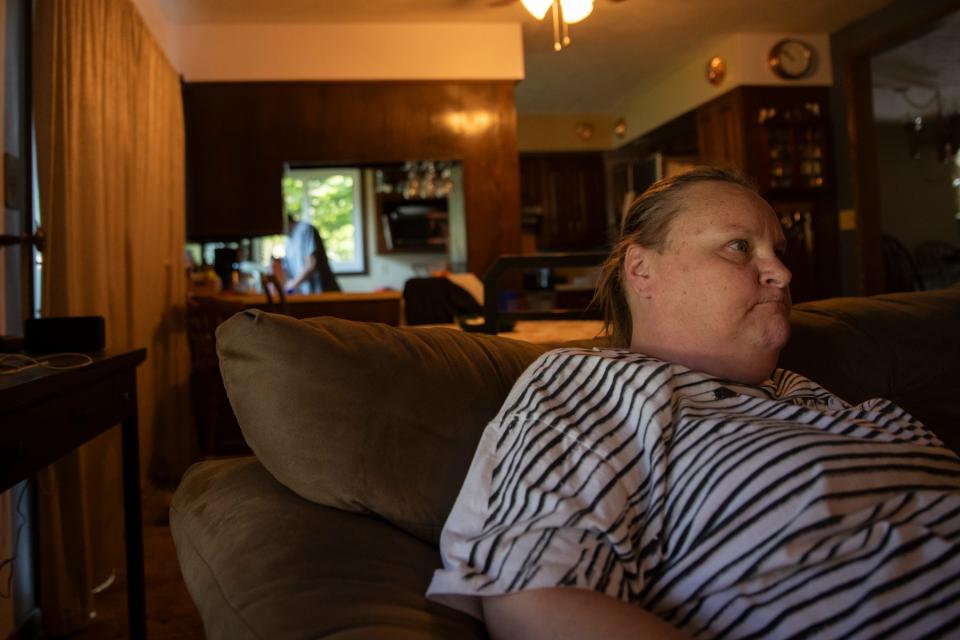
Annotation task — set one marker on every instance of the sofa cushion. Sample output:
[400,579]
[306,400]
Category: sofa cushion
[900,346]
[366,417]
[261,562]
[376,419]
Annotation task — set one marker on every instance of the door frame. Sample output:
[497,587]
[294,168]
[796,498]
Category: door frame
[853,49]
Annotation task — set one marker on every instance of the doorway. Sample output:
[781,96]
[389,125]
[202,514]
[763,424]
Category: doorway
[916,112]
[855,49]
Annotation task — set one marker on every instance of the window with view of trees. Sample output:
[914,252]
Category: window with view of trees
[330,200]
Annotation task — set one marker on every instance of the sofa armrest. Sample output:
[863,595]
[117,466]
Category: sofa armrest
[261,562]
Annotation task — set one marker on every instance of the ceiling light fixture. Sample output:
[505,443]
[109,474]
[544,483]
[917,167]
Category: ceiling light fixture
[576,10]
[537,8]
[565,12]
[927,125]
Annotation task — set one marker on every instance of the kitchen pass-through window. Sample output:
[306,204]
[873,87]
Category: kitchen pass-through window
[329,198]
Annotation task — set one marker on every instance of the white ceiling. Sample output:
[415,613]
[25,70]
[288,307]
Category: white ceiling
[908,79]
[614,49]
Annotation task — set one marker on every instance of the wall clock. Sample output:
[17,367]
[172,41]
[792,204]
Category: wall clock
[791,59]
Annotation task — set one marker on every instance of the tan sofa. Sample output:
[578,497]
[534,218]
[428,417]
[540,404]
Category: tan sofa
[363,434]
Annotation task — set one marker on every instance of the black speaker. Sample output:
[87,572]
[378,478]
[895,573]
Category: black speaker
[85,334]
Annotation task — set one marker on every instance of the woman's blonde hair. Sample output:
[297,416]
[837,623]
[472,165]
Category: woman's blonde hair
[647,223]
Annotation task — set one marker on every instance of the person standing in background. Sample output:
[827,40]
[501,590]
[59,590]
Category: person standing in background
[306,267]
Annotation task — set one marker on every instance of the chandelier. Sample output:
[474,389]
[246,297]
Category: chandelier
[927,125]
[565,12]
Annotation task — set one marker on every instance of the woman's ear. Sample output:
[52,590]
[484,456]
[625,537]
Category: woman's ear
[636,270]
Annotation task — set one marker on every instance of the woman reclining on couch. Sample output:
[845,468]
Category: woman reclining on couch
[683,486]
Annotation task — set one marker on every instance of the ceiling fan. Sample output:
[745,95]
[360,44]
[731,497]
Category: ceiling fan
[565,12]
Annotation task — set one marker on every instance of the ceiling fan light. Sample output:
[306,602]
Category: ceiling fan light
[576,10]
[537,8]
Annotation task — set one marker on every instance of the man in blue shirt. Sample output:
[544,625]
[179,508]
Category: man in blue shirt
[306,266]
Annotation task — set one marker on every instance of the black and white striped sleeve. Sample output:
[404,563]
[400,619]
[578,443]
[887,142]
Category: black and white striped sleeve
[547,501]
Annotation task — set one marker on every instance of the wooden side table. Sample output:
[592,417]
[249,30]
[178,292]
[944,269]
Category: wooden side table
[45,414]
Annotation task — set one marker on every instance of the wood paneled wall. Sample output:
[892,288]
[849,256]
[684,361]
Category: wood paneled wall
[240,134]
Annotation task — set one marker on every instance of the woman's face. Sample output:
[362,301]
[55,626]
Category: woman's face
[718,296]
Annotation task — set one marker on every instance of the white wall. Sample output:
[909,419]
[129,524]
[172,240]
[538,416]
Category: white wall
[351,52]
[917,200]
[164,31]
[685,86]
[341,51]
[558,132]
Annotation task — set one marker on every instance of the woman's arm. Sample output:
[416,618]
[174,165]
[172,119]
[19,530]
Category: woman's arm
[570,613]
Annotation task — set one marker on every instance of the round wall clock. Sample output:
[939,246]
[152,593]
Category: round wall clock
[791,59]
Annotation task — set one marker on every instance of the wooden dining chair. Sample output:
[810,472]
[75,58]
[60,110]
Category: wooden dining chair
[276,298]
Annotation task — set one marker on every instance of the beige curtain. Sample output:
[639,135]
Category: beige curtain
[110,155]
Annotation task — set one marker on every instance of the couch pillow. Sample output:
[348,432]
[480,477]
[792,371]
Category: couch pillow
[901,346]
[835,354]
[366,417]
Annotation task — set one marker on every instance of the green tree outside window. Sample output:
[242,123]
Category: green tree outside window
[329,200]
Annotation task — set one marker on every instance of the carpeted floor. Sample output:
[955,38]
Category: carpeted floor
[170,611]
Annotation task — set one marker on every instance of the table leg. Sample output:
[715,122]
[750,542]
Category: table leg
[136,594]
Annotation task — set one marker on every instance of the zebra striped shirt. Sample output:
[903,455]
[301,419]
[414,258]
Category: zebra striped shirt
[729,510]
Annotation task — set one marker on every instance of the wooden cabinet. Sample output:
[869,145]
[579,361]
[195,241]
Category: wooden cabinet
[720,134]
[563,198]
[779,138]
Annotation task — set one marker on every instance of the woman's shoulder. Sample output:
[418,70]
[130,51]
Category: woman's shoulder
[609,354]
[575,366]
[782,384]
[624,358]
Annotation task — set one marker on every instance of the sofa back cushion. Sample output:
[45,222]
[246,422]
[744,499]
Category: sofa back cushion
[366,417]
[371,418]
[901,346]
